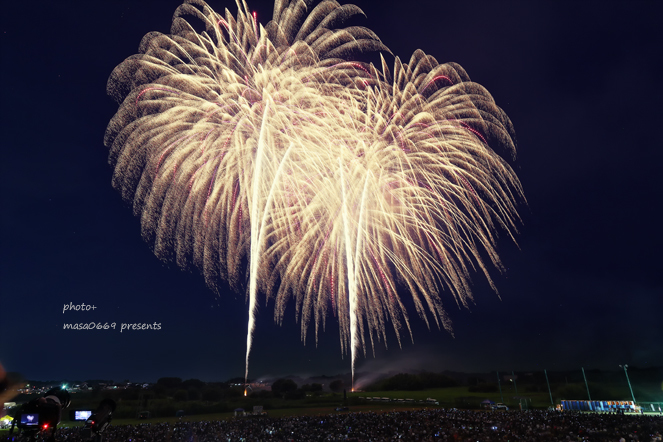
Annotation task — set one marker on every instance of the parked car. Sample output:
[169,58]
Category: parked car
[500,406]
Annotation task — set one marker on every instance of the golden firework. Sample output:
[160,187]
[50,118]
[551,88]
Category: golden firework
[267,157]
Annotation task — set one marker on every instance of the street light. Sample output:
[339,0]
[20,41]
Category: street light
[629,381]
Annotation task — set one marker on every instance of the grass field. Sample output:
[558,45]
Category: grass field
[163,409]
[442,394]
[460,397]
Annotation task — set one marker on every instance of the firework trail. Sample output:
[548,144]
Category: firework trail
[267,157]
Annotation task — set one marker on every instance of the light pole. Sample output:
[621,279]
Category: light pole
[549,392]
[499,384]
[629,381]
[586,384]
[513,378]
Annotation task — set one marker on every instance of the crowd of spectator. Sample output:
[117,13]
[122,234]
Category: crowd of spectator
[416,425]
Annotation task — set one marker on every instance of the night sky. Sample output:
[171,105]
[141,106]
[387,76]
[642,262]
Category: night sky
[581,81]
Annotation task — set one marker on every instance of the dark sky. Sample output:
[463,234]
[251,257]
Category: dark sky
[581,82]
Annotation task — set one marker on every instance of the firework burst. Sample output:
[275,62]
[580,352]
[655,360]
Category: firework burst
[267,157]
